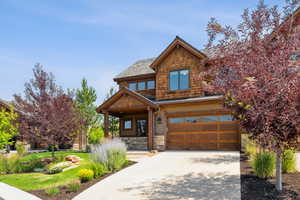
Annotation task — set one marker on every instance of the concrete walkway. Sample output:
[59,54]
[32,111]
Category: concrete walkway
[11,193]
[173,175]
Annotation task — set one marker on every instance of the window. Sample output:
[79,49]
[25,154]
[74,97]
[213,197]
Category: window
[127,124]
[209,119]
[179,80]
[295,56]
[132,86]
[151,84]
[224,118]
[141,85]
[177,120]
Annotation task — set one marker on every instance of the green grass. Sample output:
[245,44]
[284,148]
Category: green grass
[38,181]
[84,156]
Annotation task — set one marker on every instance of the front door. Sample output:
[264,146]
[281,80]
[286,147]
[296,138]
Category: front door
[141,127]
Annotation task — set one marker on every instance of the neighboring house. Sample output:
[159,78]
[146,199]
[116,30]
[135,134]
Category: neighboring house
[161,105]
[80,142]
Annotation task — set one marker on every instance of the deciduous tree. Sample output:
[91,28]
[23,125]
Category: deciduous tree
[8,126]
[251,67]
[49,115]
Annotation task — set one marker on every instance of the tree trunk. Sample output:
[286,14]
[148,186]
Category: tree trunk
[278,172]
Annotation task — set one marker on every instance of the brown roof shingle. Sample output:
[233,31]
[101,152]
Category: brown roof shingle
[140,67]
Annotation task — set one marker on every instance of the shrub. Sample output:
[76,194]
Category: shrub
[288,161]
[52,191]
[98,169]
[116,159]
[3,164]
[250,148]
[74,186]
[60,158]
[112,154]
[85,175]
[31,163]
[11,164]
[264,164]
[52,147]
[20,147]
[95,134]
[58,167]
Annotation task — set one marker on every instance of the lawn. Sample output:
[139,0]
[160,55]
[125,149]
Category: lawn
[37,181]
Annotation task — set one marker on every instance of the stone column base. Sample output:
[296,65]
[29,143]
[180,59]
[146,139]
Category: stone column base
[159,143]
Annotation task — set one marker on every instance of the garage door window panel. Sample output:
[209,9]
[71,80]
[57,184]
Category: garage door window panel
[209,119]
[177,120]
[226,118]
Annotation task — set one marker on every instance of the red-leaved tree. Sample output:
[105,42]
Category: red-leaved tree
[48,114]
[251,67]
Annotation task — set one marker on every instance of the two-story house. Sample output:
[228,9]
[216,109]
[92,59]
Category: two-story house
[161,104]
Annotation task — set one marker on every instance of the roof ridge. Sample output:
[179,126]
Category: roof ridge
[139,67]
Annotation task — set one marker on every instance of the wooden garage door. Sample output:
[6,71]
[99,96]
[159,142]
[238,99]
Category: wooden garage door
[216,132]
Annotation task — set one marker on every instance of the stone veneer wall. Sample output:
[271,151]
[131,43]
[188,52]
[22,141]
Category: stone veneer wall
[135,143]
[161,129]
[159,143]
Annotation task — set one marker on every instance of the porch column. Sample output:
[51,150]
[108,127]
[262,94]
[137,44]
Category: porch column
[106,124]
[150,128]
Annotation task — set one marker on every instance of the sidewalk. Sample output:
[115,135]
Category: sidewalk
[10,193]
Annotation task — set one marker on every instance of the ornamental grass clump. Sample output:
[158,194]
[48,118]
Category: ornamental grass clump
[251,148]
[52,191]
[264,164]
[74,186]
[10,164]
[21,148]
[289,161]
[111,154]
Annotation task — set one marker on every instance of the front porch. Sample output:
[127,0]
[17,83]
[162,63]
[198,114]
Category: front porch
[136,118]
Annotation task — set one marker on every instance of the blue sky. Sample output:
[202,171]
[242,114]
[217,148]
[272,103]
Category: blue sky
[97,39]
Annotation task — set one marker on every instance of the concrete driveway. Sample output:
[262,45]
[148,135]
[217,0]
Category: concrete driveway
[174,175]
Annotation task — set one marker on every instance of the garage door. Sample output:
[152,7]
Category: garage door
[215,132]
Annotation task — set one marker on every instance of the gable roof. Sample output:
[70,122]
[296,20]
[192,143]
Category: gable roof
[140,67]
[120,93]
[177,41]
[294,14]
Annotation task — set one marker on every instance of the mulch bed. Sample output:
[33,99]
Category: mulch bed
[262,189]
[64,194]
